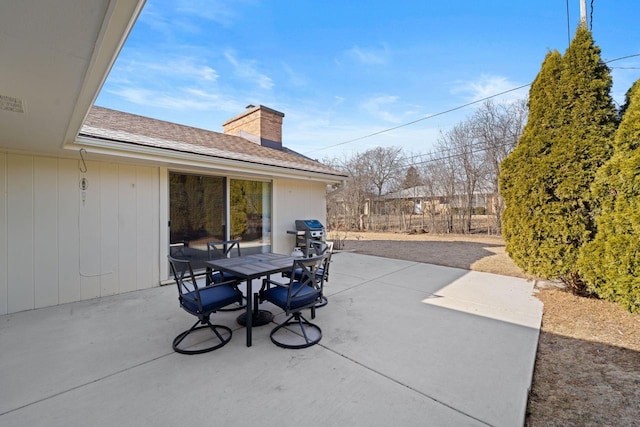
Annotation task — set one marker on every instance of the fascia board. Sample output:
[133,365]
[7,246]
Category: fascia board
[183,159]
[119,19]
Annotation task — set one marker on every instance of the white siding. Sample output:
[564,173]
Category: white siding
[4,245]
[68,231]
[59,245]
[295,199]
[89,234]
[127,248]
[21,292]
[45,253]
[148,223]
[108,229]
[163,225]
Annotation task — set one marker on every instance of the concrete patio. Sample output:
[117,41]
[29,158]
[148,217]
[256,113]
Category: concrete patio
[404,344]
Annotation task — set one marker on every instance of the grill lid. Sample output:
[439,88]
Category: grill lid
[309,224]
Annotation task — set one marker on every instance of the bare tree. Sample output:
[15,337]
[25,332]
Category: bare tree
[465,168]
[440,177]
[431,203]
[468,165]
[381,166]
[351,203]
[497,129]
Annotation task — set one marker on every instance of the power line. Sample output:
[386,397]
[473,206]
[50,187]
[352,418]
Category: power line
[622,57]
[479,150]
[454,155]
[420,120]
[446,111]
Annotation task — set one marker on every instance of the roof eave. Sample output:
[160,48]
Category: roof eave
[119,20]
[177,158]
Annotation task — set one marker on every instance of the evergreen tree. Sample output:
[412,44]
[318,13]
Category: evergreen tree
[522,183]
[412,178]
[610,264]
[570,139]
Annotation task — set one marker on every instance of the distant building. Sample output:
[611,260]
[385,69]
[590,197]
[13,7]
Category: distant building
[420,200]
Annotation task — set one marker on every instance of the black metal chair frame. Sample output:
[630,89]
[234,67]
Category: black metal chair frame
[177,250]
[223,249]
[306,286]
[191,295]
[319,247]
[216,250]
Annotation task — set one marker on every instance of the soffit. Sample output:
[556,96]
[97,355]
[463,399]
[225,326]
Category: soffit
[55,58]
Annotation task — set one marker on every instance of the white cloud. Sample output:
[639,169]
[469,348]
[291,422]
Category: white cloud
[220,12]
[379,108]
[295,78]
[337,100]
[325,137]
[179,99]
[389,109]
[321,132]
[177,83]
[161,99]
[246,69]
[368,56]
[489,86]
[148,71]
[189,68]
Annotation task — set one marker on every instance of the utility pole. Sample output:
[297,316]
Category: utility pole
[583,12]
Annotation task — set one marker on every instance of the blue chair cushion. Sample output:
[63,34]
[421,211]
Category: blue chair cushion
[278,296]
[212,298]
[297,273]
[229,276]
[218,277]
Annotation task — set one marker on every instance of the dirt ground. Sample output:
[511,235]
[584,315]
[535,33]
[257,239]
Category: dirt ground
[587,370]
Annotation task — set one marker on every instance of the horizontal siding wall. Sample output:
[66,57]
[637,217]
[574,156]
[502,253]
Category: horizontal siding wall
[295,199]
[59,243]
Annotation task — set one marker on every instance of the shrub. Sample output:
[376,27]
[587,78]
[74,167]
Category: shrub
[610,264]
[546,180]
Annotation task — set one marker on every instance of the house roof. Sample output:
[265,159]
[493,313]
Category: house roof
[116,126]
[55,58]
[419,191]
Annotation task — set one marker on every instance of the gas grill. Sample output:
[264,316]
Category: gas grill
[307,231]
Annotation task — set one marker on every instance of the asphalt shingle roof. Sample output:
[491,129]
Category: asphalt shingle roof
[112,125]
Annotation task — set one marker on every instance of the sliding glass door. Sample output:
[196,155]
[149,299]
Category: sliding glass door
[198,213]
[250,219]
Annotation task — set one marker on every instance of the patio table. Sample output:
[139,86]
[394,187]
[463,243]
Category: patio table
[251,267]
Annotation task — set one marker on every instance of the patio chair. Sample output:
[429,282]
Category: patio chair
[319,248]
[225,249]
[300,293]
[201,300]
[177,250]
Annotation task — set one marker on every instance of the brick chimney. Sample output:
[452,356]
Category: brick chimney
[260,124]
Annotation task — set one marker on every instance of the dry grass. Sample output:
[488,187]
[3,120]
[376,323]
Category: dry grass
[587,369]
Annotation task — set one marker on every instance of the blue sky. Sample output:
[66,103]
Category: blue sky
[343,70]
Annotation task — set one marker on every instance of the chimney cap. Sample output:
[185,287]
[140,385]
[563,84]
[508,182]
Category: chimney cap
[250,110]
